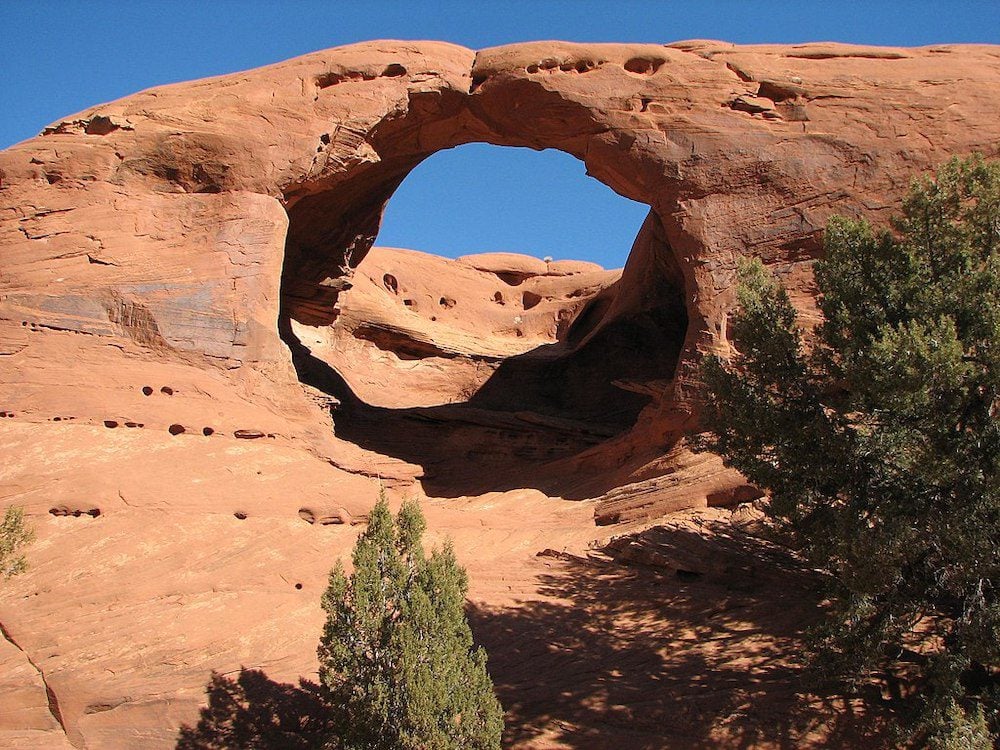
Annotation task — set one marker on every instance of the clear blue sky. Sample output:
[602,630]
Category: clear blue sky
[60,57]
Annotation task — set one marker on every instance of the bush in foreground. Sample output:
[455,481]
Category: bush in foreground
[880,442]
[397,653]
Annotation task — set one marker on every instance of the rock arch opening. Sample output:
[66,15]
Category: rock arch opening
[490,370]
[480,198]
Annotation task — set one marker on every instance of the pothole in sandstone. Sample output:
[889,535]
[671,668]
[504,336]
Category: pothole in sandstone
[488,370]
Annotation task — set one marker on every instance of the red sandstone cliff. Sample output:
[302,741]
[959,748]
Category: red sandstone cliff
[204,366]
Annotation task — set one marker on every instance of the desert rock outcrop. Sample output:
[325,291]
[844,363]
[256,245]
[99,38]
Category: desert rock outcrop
[205,367]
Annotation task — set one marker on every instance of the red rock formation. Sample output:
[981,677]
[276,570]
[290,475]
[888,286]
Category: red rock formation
[187,287]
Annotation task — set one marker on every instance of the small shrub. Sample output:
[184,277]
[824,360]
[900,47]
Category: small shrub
[397,655]
[14,537]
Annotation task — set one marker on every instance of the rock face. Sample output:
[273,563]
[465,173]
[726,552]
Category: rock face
[204,365]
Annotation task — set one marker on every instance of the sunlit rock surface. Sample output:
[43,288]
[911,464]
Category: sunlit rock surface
[206,372]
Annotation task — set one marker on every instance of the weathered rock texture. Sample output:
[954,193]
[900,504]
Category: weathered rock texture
[203,364]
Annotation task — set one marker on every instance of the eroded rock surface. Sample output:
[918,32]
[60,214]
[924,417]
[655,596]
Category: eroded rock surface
[205,369]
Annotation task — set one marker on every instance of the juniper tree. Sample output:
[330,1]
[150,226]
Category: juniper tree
[879,441]
[397,654]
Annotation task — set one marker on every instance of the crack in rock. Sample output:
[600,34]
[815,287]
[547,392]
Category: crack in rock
[74,738]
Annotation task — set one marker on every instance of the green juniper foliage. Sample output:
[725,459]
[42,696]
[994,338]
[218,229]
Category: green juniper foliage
[397,653]
[880,445]
[14,536]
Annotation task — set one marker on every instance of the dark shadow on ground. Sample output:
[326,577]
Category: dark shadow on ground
[628,656]
[253,712]
[697,648]
[535,409]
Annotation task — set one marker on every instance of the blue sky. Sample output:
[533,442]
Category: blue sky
[60,57]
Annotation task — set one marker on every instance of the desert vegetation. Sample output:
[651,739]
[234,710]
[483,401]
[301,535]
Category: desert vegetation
[15,535]
[398,667]
[396,654]
[877,436]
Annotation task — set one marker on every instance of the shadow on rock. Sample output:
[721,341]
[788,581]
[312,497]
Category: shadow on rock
[500,439]
[253,712]
[620,654]
[684,635]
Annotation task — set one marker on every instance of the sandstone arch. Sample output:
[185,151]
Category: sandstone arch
[142,247]
[736,150]
[552,362]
